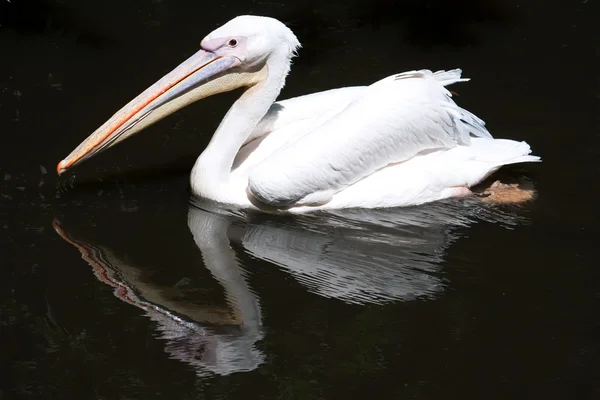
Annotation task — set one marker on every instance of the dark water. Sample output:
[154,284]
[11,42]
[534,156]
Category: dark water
[113,286]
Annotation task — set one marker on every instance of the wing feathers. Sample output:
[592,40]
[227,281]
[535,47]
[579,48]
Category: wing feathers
[392,121]
[475,125]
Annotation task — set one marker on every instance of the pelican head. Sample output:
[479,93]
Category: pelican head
[232,56]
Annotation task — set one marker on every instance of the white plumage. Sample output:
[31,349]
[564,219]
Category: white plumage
[400,141]
[391,122]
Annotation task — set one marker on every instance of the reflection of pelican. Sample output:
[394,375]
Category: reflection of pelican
[357,256]
[210,339]
[400,141]
[364,256]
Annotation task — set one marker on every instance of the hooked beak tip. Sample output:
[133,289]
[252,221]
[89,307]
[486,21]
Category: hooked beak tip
[61,167]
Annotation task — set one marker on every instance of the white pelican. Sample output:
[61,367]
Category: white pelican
[400,141]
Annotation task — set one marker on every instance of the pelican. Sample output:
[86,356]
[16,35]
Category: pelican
[400,141]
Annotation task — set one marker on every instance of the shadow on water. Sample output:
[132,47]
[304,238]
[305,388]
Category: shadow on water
[354,256]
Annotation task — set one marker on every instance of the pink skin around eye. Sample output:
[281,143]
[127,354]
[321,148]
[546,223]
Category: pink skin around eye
[214,44]
[220,46]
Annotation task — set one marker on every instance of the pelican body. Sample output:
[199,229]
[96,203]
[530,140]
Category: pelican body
[400,141]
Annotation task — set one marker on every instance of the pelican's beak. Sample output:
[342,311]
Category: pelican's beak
[200,76]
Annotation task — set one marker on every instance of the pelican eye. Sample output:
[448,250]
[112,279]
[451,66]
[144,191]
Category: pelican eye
[232,43]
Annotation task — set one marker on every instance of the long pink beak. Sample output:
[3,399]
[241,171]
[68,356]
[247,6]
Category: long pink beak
[171,93]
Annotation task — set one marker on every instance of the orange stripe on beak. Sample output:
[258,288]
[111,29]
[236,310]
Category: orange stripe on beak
[189,73]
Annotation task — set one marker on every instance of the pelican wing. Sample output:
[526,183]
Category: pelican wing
[394,120]
[311,106]
[289,120]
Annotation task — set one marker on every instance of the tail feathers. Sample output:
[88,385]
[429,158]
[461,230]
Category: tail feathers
[502,151]
[522,159]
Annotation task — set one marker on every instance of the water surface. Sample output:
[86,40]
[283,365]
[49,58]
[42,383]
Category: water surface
[114,284]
